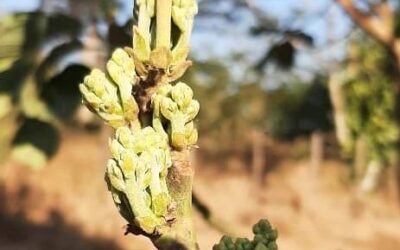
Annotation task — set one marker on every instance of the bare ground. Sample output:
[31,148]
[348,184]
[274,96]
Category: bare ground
[67,205]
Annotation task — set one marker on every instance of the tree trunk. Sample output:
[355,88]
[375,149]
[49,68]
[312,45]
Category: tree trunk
[258,157]
[316,152]
[394,171]
[339,110]
[380,26]
[372,176]
[394,174]
[360,158]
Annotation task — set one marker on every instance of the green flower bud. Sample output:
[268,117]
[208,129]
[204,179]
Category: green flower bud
[243,244]
[156,99]
[141,33]
[124,136]
[141,47]
[101,96]
[264,239]
[104,98]
[115,176]
[191,134]
[147,6]
[262,227]
[272,246]
[176,105]
[124,60]
[137,172]
[182,94]
[183,12]
[121,69]
[226,243]
[120,78]
[261,246]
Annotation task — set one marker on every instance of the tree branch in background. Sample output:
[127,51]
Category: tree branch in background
[257,12]
[210,218]
[380,27]
[385,13]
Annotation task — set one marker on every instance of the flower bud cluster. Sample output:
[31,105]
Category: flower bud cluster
[136,176]
[151,117]
[176,105]
[264,239]
[109,96]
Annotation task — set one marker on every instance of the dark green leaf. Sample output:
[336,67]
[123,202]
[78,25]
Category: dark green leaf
[42,135]
[282,54]
[61,93]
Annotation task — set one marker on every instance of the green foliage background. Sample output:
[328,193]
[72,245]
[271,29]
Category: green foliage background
[370,97]
[35,92]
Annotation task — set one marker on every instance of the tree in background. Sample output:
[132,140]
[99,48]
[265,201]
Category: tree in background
[276,65]
[370,102]
[381,22]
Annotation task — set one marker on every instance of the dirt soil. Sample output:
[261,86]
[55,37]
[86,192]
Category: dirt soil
[67,205]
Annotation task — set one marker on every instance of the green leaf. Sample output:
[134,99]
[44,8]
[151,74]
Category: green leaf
[29,155]
[9,126]
[141,46]
[43,136]
[13,78]
[12,30]
[61,93]
[60,24]
[31,104]
[282,54]
[5,105]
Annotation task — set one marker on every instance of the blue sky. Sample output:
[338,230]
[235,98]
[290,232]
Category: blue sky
[216,38]
[280,9]
[13,5]
[222,40]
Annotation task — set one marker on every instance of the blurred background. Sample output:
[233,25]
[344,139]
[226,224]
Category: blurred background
[299,123]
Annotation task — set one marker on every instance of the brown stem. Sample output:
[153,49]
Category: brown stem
[180,235]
